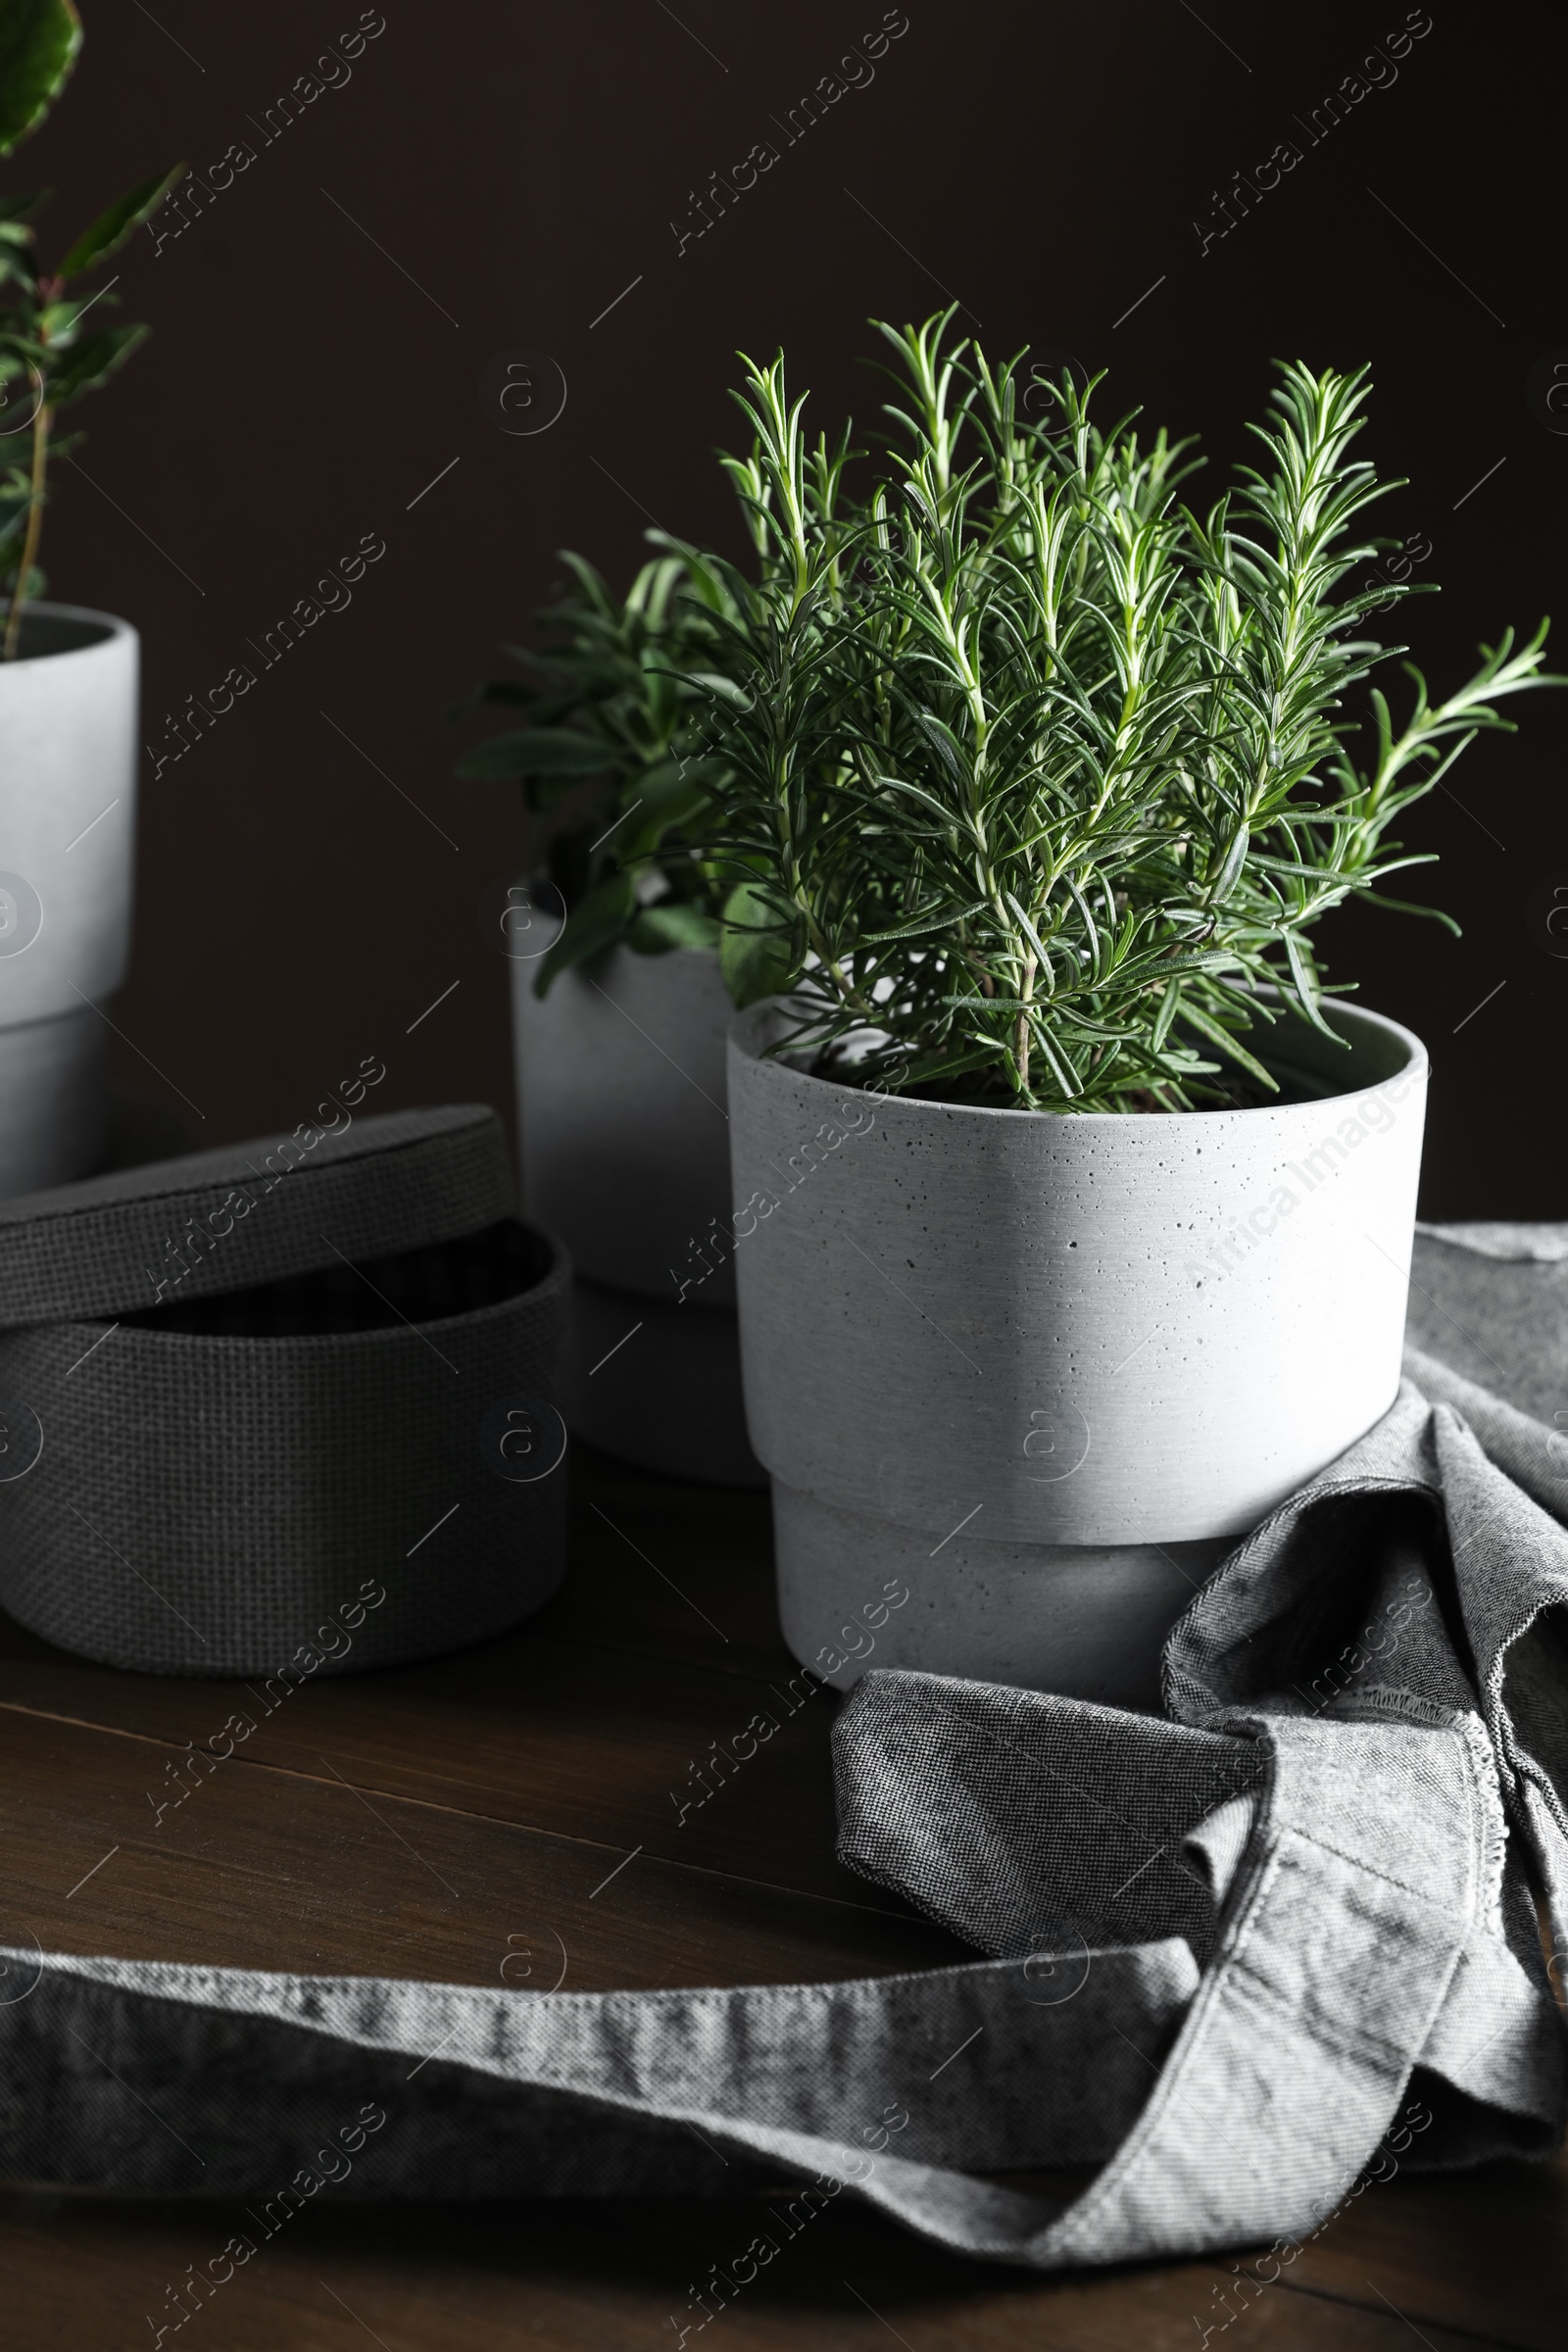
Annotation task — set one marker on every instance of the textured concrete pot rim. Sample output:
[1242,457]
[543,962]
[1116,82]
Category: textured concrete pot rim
[106,627]
[748,1035]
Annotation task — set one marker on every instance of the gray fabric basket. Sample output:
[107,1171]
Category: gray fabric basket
[287,1407]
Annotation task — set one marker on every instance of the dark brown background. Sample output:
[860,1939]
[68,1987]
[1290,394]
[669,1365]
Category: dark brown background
[521,165]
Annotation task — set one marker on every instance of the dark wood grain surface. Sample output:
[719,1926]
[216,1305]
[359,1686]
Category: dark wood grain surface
[513,1806]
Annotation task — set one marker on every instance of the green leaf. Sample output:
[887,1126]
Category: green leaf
[659,803]
[1169,1006]
[38,44]
[538,752]
[1306,988]
[92,362]
[673,923]
[950,1065]
[754,953]
[720,688]
[940,918]
[111,229]
[1222,1038]
[1224,882]
[1434,915]
[597,921]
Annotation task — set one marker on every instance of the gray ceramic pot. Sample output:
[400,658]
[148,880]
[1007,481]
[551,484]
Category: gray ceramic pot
[67,806]
[1022,1380]
[625,1155]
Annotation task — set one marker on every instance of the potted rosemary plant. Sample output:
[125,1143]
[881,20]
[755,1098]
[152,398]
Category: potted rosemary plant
[621,1008]
[67,674]
[1073,1205]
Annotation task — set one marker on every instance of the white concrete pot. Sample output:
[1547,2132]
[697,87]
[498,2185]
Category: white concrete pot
[68,807]
[1037,1374]
[625,1155]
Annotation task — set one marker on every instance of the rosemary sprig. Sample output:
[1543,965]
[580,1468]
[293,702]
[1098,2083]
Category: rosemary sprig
[1032,778]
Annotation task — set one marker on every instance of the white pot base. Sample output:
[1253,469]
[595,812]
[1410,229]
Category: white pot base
[1086,1621]
[666,1390]
[53,1096]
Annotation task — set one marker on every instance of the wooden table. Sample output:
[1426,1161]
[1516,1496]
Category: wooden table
[506,1815]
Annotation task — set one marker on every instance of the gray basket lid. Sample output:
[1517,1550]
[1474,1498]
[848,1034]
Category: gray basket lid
[245,1213]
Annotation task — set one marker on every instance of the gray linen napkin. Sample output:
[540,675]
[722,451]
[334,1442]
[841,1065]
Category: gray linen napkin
[1236,1955]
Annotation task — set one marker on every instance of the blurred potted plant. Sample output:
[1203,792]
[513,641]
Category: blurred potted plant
[67,674]
[620,1007]
[1074,1207]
